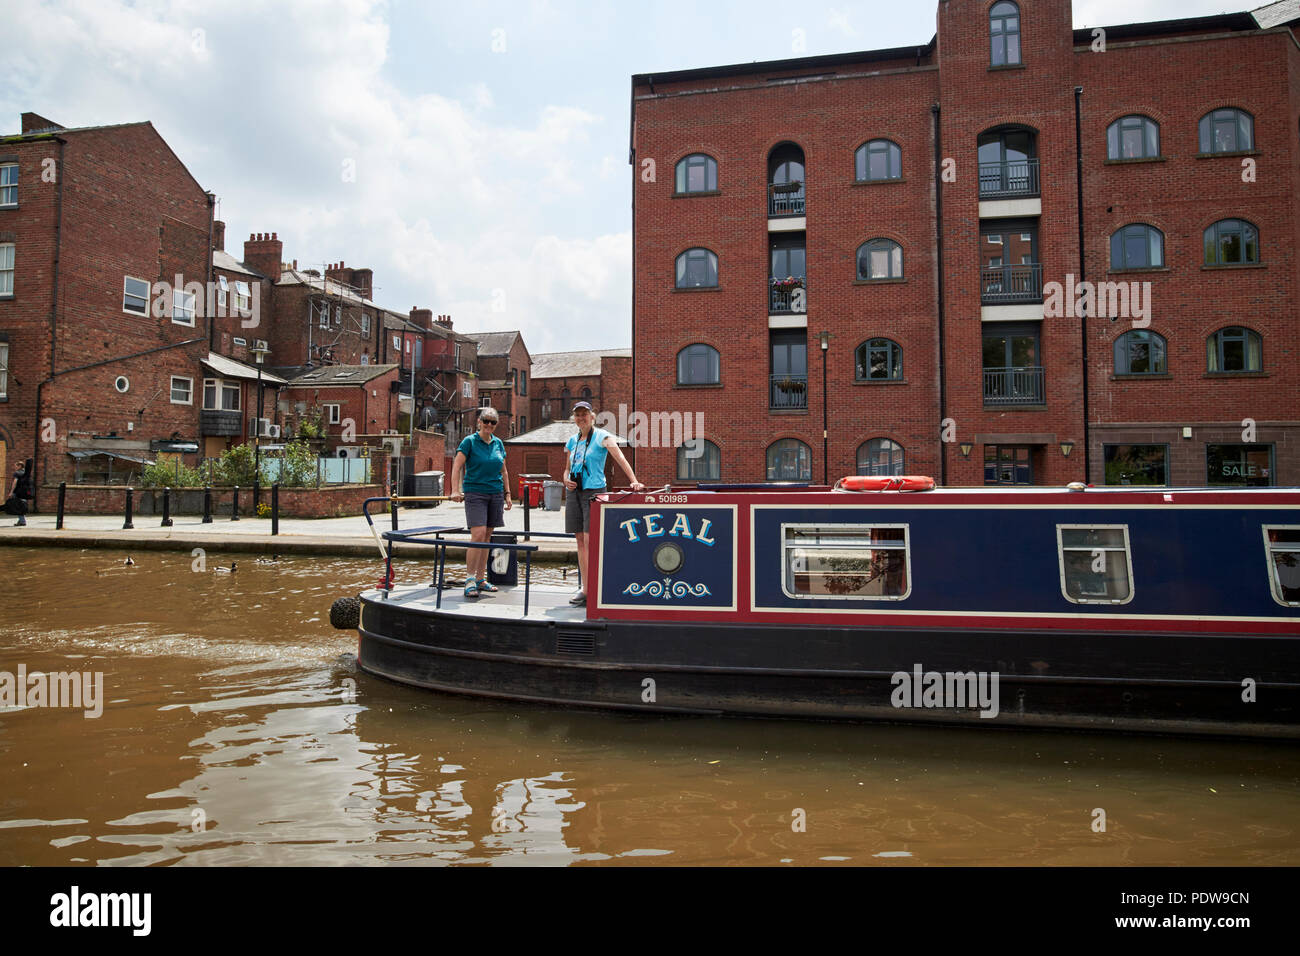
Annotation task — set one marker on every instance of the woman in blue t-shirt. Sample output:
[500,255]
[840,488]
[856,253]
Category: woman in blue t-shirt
[481,458]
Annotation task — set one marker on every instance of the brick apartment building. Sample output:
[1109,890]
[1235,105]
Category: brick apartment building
[94,367]
[504,366]
[878,221]
[600,376]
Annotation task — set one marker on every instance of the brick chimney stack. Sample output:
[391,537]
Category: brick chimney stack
[36,123]
[445,321]
[360,279]
[422,317]
[218,236]
[263,253]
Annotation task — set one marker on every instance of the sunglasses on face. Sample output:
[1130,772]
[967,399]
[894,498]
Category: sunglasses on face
[488,421]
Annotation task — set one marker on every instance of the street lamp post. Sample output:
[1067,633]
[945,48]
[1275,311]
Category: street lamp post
[826,339]
[259,355]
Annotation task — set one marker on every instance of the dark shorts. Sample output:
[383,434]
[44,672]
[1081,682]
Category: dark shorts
[484,510]
[577,510]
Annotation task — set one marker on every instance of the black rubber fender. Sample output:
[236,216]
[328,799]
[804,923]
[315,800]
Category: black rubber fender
[345,613]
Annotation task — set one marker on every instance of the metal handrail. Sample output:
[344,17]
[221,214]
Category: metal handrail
[413,535]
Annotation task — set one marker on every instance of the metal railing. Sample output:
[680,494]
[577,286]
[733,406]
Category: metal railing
[1014,386]
[1009,179]
[418,536]
[1009,284]
[787,299]
[783,200]
[788,391]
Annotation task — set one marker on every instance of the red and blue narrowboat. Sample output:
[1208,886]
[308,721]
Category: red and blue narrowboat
[1163,610]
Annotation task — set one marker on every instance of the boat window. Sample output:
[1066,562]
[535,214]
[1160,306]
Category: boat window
[1283,546]
[1095,566]
[846,561]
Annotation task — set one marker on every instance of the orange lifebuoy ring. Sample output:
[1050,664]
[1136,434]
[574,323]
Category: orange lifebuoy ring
[885,483]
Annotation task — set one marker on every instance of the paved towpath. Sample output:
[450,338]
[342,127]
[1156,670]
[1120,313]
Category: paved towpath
[341,536]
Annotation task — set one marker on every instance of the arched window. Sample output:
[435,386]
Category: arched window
[878,159]
[586,394]
[1227,131]
[1140,352]
[698,365]
[880,259]
[565,399]
[880,456]
[785,181]
[1231,242]
[1137,246]
[1004,34]
[699,461]
[546,409]
[878,360]
[789,460]
[1133,137]
[696,269]
[1234,349]
[697,173]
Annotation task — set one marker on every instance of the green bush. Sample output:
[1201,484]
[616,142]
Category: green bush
[236,467]
[167,474]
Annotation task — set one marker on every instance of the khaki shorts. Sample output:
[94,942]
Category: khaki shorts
[577,510]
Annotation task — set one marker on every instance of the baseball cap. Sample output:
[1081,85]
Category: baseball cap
[586,405]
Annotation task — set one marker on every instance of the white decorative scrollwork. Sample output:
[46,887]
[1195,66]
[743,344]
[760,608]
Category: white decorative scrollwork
[668,589]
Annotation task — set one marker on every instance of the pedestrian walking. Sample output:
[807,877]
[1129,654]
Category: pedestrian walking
[19,493]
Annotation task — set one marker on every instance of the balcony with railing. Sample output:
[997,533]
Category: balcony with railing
[785,199]
[788,391]
[1013,386]
[1011,284]
[1010,179]
[788,296]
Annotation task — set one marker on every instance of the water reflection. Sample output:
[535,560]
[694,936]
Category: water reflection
[232,735]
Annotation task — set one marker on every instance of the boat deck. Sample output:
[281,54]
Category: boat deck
[546,602]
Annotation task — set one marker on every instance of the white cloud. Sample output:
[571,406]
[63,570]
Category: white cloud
[448,203]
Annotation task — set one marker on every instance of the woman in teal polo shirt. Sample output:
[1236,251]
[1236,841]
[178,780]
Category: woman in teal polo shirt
[481,459]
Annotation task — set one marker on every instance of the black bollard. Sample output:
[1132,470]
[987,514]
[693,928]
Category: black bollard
[63,491]
[167,508]
[527,510]
[207,505]
[257,494]
[392,509]
[234,505]
[128,525]
[275,508]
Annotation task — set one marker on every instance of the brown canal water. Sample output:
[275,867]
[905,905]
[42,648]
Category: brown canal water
[235,729]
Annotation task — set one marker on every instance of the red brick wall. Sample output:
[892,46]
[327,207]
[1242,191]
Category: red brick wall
[739,126]
[738,119]
[372,407]
[129,207]
[331,502]
[1177,84]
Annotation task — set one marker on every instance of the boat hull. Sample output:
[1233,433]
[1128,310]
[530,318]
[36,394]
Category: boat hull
[1145,681]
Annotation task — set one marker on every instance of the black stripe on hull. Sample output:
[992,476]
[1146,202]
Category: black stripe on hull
[1162,683]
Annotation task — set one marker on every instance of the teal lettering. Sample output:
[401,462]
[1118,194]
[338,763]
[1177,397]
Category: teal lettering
[652,530]
[630,527]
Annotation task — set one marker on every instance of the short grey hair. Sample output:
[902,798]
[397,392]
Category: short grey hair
[487,411]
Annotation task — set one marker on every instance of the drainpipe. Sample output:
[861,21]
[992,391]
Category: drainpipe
[1083,319]
[938,253]
[212,325]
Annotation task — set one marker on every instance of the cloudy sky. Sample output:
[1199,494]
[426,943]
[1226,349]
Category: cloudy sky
[473,154]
